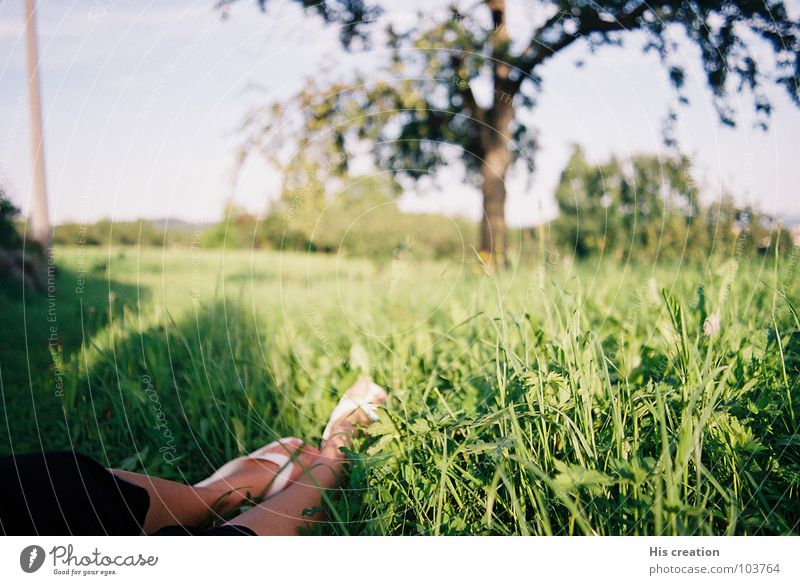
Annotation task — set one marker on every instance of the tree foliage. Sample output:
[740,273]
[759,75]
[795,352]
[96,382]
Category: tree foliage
[422,108]
[9,237]
[362,219]
[649,208]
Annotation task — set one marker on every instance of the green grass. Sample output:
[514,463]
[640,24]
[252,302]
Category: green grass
[577,399]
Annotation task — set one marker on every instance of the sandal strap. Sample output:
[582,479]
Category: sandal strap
[285,469]
[348,405]
[282,460]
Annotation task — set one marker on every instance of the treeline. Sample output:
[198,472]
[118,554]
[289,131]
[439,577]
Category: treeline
[645,209]
[362,220]
[126,233]
[649,208]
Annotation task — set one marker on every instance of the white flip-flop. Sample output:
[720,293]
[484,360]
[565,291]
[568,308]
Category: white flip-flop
[266,453]
[349,404]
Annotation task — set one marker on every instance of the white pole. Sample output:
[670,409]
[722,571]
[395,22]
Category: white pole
[40,223]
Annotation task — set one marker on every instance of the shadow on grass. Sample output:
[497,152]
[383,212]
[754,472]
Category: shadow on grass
[41,333]
[179,398]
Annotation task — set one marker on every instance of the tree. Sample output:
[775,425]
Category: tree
[9,237]
[592,215]
[18,262]
[642,209]
[648,209]
[424,102]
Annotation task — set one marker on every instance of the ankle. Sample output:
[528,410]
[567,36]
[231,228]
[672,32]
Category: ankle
[334,466]
[218,499]
[332,448]
[332,452]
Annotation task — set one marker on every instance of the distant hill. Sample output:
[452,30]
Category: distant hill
[790,220]
[179,225]
[147,232]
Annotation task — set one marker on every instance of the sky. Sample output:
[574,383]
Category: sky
[142,100]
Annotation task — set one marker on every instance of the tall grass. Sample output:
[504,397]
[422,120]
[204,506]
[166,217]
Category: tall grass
[585,399]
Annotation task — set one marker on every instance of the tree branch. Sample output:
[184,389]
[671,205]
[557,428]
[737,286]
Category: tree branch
[469,101]
[538,51]
[465,90]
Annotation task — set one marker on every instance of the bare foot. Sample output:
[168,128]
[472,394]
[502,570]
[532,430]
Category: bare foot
[261,474]
[356,408]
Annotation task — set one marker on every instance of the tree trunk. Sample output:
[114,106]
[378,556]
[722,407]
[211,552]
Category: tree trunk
[496,161]
[495,139]
[494,237]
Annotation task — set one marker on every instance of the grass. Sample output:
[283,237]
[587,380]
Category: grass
[570,399]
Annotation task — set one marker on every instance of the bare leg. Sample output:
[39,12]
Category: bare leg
[282,514]
[176,503]
[172,502]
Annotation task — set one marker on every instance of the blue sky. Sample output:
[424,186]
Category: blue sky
[141,101]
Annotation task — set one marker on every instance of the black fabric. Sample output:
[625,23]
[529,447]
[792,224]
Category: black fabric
[63,493]
[224,530]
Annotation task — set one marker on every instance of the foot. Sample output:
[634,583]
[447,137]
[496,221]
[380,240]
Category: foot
[356,408]
[260,474]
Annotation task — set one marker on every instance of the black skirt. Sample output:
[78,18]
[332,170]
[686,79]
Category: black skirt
[63,493]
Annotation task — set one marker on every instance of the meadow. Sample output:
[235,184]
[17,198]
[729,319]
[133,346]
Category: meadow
[561,398]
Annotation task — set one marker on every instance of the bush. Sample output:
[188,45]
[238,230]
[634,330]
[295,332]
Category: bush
[120,233]
[363,220]
[19,263]
[9,237]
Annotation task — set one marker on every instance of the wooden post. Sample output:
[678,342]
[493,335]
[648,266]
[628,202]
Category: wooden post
[40,222]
